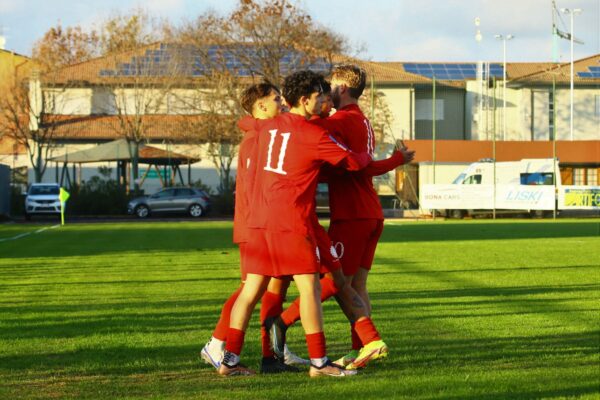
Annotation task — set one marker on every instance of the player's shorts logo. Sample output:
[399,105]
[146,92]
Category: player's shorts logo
[338,248]
[334,253]
[318,253]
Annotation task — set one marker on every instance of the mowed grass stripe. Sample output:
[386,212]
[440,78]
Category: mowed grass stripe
[471,310]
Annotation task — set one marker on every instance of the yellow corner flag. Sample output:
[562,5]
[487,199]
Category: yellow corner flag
[63,196]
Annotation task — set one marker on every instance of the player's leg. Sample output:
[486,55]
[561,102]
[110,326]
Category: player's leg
[357,240]
[311,314]
[278,326]
[252,291]
[359,284]
[212,352]
[373,347]
[272,306]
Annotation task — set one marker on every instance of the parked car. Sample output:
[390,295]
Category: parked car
[42,198]
[194,202]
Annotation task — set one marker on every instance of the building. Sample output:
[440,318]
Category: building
[461,105]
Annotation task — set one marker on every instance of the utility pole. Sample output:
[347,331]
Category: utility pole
[504,39]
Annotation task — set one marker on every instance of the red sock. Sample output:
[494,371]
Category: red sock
[366,331]
[356,343]
[271,306]
[235,341]
[316,345]
[222,327]
[292,313]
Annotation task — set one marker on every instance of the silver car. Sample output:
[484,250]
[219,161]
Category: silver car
[194,202]
[42,198]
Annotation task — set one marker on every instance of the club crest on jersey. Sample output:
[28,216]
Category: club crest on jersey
[338,248]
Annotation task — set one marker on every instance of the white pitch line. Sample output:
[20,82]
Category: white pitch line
[28,233]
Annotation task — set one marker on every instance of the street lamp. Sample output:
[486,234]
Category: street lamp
[572,13]
[504,39]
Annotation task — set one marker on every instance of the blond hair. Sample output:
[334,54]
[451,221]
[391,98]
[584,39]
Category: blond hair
[353,76]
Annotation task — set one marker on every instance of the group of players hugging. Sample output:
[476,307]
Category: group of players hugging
[292,141]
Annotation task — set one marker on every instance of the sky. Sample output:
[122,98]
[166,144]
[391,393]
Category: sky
[387,30]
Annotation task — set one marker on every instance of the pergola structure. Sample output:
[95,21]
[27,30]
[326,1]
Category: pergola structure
[121,151]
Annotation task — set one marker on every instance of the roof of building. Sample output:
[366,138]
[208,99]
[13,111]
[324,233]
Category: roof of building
[152,62]
[121,150]
[561,72]
[109,127]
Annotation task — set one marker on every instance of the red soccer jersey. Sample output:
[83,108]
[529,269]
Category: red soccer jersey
[289,155]
[243,180]
[352,196]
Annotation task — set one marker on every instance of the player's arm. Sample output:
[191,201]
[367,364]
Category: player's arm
[335,153]
[247,123]
[380,167]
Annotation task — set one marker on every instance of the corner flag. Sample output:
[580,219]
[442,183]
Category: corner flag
[63,196]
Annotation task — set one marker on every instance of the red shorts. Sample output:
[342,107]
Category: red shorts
[243,261]
[355,242]
[327,255]
[280,254]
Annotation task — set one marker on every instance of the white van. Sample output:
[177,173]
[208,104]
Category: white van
[528,171]
[525,185]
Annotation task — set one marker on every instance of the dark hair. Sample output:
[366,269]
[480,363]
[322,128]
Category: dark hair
[326,87]
[255,92]
[302,83]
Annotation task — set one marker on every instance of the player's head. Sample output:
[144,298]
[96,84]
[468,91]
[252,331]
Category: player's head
[327,103]
[303,91]
[347,80]
[262,100]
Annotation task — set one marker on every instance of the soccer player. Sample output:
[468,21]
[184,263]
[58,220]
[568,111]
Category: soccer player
[289,154]
[356,214]
[333,282]
[262,101]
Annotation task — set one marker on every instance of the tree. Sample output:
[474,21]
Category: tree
[26,120]
[257,40]
[65,46]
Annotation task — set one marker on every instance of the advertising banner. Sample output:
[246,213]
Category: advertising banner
[481,197]
[579,198]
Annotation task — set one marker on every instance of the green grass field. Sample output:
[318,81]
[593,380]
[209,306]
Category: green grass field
[470,310]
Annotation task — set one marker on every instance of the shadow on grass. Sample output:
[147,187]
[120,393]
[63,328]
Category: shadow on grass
[100,239]
[85,319]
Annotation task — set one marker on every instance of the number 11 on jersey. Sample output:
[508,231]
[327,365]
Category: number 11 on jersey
[281,158]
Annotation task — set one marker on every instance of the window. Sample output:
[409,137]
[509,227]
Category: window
[424,109]
[579,176]
[44,190]
[184,192]
[163,194]
[592,176]
[472,180]
[537,178]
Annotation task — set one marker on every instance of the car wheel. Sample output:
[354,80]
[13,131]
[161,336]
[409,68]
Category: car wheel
[142,211]
[195,210]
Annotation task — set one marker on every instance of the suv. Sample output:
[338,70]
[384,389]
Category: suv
[42,198]
[193,201]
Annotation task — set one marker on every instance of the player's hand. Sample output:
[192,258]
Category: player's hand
[407,154]
[399,145]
